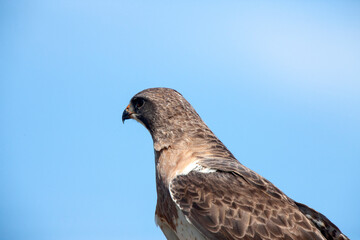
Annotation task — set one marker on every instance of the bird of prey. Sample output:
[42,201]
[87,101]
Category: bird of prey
[203,192]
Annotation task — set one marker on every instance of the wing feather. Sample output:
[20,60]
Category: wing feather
[226,205]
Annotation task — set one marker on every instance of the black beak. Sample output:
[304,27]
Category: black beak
[126,114]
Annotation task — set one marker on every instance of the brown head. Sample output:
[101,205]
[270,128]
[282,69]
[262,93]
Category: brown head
[165,113]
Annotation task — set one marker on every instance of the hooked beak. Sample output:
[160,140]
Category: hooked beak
[126,114]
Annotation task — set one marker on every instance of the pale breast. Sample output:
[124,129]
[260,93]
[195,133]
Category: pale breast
[170,162]
[184,229]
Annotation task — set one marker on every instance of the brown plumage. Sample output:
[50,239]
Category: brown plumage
[203,191]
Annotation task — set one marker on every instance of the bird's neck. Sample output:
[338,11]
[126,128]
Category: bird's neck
[172,157]
[176,132]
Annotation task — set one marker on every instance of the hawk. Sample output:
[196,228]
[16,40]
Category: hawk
[203,192]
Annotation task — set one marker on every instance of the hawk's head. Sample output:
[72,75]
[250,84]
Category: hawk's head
[154,107]
[163,111]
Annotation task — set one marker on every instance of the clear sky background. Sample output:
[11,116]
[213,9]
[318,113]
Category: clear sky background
[277,81]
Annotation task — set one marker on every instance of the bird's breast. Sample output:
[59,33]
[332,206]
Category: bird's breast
[171,162]
[183,230]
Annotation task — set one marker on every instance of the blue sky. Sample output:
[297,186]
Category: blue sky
[277,81]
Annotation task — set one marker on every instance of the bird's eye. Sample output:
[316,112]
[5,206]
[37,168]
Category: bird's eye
[139,103]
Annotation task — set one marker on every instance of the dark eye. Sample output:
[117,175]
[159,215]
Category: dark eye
[139,103]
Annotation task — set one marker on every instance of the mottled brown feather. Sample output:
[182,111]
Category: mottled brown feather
[240,217]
